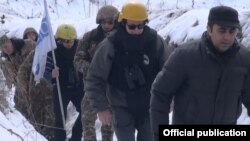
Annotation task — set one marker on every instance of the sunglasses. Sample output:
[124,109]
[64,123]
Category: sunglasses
[110,22]
[68,41]
[133,26]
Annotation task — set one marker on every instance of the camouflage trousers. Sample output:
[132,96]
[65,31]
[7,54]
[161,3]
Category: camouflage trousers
[88,121]
[41,103]
[21,103]
[39,109]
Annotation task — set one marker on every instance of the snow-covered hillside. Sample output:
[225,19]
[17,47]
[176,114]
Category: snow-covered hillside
[177,20]
[81,13]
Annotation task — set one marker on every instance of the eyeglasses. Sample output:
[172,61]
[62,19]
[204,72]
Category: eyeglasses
[68,41]
[133,26]
[110,22]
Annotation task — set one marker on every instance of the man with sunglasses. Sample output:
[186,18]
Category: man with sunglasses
[122,71]
[207,79]
[106,20]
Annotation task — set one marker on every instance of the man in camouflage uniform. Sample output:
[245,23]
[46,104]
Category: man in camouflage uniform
[13,53]
[30,33]
[39,97]
[106,18]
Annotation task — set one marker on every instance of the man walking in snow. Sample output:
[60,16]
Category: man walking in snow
[106,18]
[122,71]
[208,79]
[30,33]
[13,53]
[70,81]
[38,96]
[40,99]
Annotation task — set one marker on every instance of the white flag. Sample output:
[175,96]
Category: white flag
[45,43]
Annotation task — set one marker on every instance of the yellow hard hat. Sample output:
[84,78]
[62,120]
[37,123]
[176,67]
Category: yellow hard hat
[66,32]
[134,11]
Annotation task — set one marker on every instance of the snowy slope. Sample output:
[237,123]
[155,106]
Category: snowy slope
[178,20]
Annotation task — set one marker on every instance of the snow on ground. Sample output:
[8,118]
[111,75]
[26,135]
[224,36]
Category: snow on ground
[178,20]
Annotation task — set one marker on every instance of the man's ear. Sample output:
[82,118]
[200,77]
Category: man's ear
[209,30]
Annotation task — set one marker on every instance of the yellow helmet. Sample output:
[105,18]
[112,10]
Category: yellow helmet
[134,11]
[66,32]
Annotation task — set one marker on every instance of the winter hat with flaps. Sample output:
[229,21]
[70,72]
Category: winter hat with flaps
[27,30]
[106,12]
[3,39]
[224,16]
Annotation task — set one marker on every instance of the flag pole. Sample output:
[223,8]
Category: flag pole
[57,79]
[59,93]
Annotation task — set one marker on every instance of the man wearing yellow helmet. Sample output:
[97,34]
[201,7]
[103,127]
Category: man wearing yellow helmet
[70,80]
[122,71]
[106,18]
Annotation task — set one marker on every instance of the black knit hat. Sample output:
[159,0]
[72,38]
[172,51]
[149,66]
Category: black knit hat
[224,16]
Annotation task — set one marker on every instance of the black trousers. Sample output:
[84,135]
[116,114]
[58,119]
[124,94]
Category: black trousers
[75,96]
[125,125]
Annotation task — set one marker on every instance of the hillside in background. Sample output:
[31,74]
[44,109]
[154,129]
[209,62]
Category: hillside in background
[177,20]
[164,15]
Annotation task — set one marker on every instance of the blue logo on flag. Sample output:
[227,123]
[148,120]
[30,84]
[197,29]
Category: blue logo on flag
[44,31]
[37,68]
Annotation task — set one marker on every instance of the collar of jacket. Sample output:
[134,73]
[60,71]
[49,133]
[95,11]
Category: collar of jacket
[66,54]
[132,43]
[98,34]
[222,57]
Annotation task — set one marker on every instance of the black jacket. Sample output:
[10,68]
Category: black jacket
[69,78]
[207,87]
[99,86]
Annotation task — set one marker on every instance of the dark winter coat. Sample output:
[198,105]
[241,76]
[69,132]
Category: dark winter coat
[208,87]
[99,78]
[69,77]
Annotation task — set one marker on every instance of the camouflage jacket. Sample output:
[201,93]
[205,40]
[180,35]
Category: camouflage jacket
[86,49]
[25,78]
[10,65]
